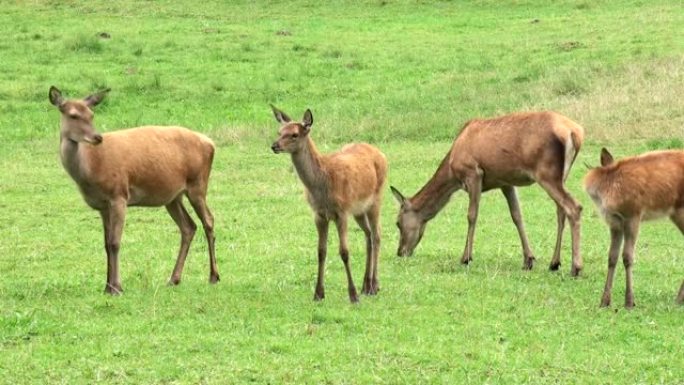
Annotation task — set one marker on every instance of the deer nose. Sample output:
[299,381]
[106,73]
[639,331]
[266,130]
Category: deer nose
[97,139]
[275,147]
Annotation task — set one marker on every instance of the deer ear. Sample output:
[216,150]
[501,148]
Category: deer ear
[280,116]
[606,158]
[55,96]
[400,198]
[307,120]
[95,99]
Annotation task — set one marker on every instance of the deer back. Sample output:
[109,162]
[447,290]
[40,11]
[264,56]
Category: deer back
[355,176]
[149,165]
[512,148]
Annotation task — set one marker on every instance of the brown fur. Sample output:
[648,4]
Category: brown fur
[143,166]
[348,182]
[501,153]
[629,191]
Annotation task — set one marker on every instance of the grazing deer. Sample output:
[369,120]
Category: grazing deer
[513,150]
[143,166]
[346,182]
[648,186]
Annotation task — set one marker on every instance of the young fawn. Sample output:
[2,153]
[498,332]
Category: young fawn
[143,166]
[631,190]
[501,153]
[339,184]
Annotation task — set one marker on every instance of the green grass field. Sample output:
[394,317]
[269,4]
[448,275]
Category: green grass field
[403,75]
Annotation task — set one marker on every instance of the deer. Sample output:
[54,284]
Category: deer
[337,185]
[147,166]
[503,153]
[628,191]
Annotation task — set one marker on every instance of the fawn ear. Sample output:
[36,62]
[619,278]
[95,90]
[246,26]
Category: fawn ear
[280,116]
[55,96]
[606,158]
[307,120]
[400,198]
[95,99]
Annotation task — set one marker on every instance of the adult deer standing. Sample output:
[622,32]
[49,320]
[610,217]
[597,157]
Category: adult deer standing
[513,150]
[143,166]
[643,187]
[346,182]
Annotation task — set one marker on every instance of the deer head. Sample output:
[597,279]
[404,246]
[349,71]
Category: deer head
[411,225]
[292,135]
[77,117]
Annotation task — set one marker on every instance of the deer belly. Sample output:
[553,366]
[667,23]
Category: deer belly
[144,197]
[361,206]
[655,214]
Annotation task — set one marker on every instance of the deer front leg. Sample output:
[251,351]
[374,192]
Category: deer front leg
[322,228]
[341,222]
[613,253]
[516,214]
[631,230]
[474,191]
[113,218]
[680,297]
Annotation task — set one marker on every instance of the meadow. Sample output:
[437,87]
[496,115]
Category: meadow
[403,75]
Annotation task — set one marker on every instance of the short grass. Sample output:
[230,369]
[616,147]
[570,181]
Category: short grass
[402,75]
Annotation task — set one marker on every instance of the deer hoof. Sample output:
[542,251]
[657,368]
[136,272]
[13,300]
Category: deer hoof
[575,271]
[173,281]
[214,278]
[529,263]
[113,289]
[319,296]
[554,266]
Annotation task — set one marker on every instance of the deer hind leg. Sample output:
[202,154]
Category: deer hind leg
[197,197]
[374,221]
[341,222]
[113,218]
[516,214]
[362,220]
[187,229]
[678,219]
[572,210]
[631,230]
[474,192]
[560,227]
[322,229]
[616,236]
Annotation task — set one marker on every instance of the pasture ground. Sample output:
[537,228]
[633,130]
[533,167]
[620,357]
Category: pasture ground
[401,75]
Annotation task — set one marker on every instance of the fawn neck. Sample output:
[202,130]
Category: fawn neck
[307,162]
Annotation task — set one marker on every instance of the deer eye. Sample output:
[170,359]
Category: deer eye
[295,136]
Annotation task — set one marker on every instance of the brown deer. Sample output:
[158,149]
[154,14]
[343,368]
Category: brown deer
[513,150]
[143,166]
[346,182]
[648,186]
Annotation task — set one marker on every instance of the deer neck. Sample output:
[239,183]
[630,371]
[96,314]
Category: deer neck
[73,159]
[435,194]
[307,162]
